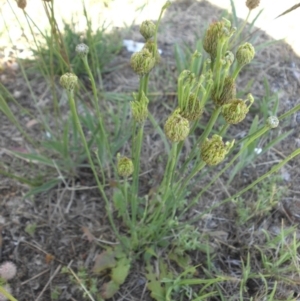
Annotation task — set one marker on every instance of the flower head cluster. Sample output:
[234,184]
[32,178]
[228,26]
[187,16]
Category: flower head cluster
[251,4]
[142,62]
[176,127]
[213,151]
[228,92]
[193,109]
[216,34]
[139,107]
[68,81]
[236,110]
[8,270]
[82,50]
[272,122]
[245,54]
[151,46]
[147,29]
[21,3]
[124,166]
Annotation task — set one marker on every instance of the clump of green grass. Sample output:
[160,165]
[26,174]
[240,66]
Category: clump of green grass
[105,47]
[155,224]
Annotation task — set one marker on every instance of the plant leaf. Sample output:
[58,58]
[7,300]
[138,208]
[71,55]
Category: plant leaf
[104,261]
[289,10]
[109,289]
[120,272]
[157,291]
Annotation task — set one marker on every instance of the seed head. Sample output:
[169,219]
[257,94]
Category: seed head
[213,150]
[251,4]
[68,81]
[272,122]
[82,50]
[214,33]
[124,166]
[192,109]
[142,62]
[236,110]
[245,54]
[139,108]
[8,270]
[176,127]
[8,289]
[147,29]
[21,3]
[228,93]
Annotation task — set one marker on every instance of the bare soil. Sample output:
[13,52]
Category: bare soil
[71,222]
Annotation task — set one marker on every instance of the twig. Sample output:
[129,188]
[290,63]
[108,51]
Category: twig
[49,281]
[36,276]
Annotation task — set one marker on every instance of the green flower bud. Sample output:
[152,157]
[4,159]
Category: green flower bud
[251,4]
[147,29]
[236,110]
[214,34]
[68,81]
[151,46]
[213,150]
[192,110]
[142,62]
[228,93]
[245,54]
[272,122]
[226,22]
[177,127]
[82,50]
[139,107]
[229,57]
[124,166]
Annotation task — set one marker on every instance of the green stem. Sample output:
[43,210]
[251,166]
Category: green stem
[223,129]
[137,147]
[100,187]
[166,185]
[106,149]
[7,294]
[137,143]
[218,67]
[125,192]
[167,181]
[236,72]
[204,135]
[238,33]
[194,172]
[210,124]
[145,84]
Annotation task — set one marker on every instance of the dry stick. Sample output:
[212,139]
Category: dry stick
[81,284]
[36,276]
[48,283]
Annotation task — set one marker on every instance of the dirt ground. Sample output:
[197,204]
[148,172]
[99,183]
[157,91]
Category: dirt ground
[71,223]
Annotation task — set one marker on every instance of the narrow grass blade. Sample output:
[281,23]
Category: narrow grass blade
[43,188]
